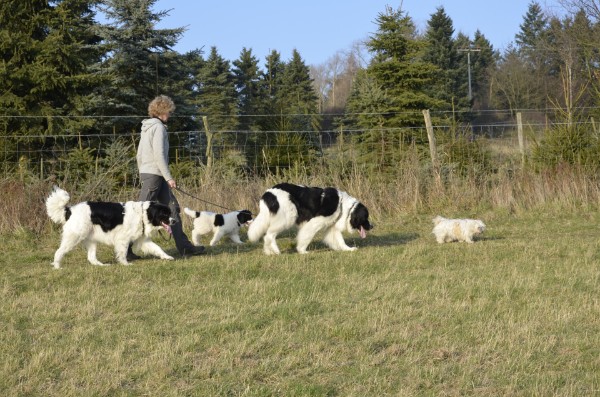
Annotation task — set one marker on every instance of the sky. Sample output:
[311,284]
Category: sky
[318,29]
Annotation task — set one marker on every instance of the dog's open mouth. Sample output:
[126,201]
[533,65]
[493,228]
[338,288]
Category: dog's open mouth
[167,227]
[362,232]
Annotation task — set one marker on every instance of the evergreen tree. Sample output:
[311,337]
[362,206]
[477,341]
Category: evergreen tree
[217,99]
[182,85]
[247,75]
[297,95]
[533,44]
[269,88]
[397,66]
[46,49]
[217,96]
[290,96]
[135,54]
[398,81]
[532,37]
[442,52]
[482,63]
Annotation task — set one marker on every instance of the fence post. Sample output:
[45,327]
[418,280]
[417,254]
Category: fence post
[209,138]
[521,138]
[432,146]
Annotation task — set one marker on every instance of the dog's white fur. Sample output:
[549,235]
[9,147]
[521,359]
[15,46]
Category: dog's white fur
[204,223]
[270,225]
[448,230]
[136,229]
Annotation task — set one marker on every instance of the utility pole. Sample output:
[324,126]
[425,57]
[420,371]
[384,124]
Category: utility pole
[468,51]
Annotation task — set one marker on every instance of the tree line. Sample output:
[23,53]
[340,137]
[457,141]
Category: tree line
[73,67]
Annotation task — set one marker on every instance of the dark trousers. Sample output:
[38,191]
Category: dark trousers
[155,188]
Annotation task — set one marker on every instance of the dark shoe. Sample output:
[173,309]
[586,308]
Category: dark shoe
[131,256]
[192,251]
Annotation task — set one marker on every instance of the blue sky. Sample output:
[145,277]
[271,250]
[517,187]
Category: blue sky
[320,28]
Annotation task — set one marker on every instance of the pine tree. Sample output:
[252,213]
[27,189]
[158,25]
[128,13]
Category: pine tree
[398,68]
[533,44]
[217,100]
[270,82]
[482,63]
[442,52]
[135,54]
[46,49]
[217,96]
[533,33]
[297,95]
[247,76]
[291,132]
[397,82]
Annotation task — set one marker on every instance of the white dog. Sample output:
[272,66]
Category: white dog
[114,224]
[220,224]
[447,230]
[311,209]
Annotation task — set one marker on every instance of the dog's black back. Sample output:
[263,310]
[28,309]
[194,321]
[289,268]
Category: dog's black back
[310,201]
[106,215]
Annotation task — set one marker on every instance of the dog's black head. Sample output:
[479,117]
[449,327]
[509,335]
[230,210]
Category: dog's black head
[244,217]
[160,215]
[359,220]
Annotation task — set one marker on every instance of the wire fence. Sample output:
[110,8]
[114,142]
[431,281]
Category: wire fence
[507,135]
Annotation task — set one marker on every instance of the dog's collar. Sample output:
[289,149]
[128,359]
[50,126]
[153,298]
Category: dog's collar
[351,209]
[341,209]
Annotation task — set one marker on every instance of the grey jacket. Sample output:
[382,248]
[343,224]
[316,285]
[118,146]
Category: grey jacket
[153,149]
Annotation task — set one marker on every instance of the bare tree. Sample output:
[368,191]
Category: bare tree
[320,78]
[590,7]
[333,79]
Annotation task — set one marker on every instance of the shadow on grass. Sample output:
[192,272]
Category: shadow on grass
[287,243]
[390,239]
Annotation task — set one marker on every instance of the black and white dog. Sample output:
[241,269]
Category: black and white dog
[311,209]
[114,224]
[220,224]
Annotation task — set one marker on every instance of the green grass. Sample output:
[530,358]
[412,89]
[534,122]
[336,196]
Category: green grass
[514,314]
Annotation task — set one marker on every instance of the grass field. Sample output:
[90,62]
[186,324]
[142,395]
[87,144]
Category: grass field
[516,313]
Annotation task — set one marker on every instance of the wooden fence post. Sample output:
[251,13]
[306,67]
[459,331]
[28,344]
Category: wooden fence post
[521,138]
[432,146]
[209,139]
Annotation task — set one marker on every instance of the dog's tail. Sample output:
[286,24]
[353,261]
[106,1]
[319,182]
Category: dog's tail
[191,213]
[56,205]
[260,224]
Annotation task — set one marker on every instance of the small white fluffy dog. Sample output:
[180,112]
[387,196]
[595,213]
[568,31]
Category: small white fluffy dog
[448,230]
[220,224]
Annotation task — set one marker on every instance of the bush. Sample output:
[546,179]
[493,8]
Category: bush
[571,144]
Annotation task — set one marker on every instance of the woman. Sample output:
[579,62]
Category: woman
[153,165]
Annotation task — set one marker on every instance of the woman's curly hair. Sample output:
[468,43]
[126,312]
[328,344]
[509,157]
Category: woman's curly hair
[160,105]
